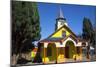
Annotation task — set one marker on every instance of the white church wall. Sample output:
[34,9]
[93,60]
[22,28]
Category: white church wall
[58,44]
[45,45]
[60,24]
[79,44]
[69,39]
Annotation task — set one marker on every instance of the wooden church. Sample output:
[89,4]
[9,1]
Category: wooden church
[62,45]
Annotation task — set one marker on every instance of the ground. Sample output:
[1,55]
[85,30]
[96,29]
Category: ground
[67,61]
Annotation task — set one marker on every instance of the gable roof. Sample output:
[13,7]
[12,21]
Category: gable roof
[60,39]
[64,26]
[52,39]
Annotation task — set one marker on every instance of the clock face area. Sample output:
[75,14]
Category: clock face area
[62,22]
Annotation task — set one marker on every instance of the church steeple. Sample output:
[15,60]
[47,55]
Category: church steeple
[60,20]
[60,15]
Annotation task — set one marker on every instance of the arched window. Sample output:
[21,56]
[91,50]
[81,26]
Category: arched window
[63,33]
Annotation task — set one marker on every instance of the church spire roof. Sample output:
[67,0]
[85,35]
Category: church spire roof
[60,15]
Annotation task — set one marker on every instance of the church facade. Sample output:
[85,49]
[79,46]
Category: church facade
[62,45]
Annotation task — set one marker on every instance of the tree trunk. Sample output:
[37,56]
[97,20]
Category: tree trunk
[14,59]
[88,50]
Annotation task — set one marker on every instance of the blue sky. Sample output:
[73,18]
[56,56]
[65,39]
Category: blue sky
[74,15]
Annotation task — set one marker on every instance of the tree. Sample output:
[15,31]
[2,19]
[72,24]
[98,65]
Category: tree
[25,27]
[88,33]
[94,37]
[79,35]
[87,29]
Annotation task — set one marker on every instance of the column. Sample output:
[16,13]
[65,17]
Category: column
[56,54]
[80,53]
[63,54]
[80,50]
[44,53]
[64,51]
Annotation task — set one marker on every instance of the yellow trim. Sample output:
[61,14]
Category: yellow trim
[45,60]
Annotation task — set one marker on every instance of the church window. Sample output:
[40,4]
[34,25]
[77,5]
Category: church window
[62,23]
[63,33]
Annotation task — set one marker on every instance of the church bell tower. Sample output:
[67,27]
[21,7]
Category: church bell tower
[60,20]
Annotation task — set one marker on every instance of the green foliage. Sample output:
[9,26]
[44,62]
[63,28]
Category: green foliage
[25,24]
[88,31]
[87,28]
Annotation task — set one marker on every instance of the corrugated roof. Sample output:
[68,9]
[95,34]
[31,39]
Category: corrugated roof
[52,39]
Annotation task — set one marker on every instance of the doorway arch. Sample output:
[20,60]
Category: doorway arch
[70,49]
[51,51]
